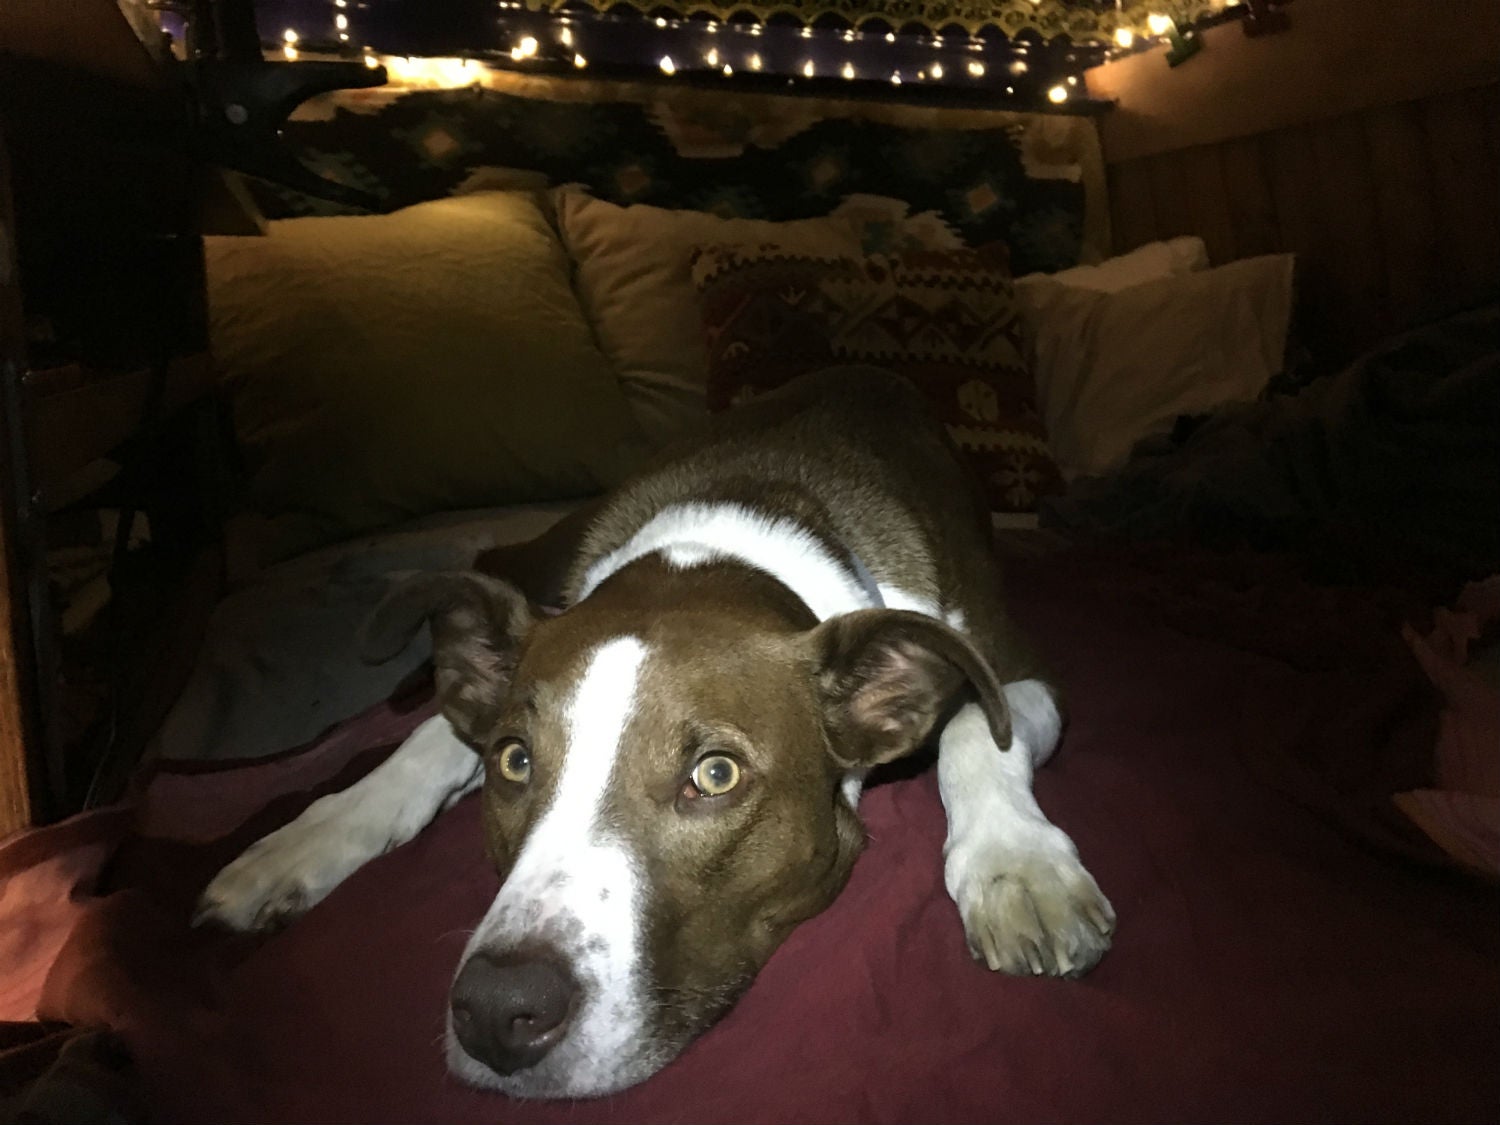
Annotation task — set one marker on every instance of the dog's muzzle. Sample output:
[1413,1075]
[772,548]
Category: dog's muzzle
[510,1010]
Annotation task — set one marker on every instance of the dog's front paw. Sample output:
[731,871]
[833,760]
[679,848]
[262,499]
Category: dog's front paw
[1029,908]
[281,877]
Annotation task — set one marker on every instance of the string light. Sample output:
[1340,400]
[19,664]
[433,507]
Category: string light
[1125,37]
[1018,67]
[580,62]
[728,70]
[1158,23]
[565,36]
[372,62]
[1057,95]
[341,22]
[667,65]
[976,70]
[936,70]
[712,58]
[290,37]
[807,69]
[755,63]
[896,78]
[848,70]
[1072,80]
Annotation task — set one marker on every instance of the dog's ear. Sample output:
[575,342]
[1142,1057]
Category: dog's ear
[478,623]
[886,676]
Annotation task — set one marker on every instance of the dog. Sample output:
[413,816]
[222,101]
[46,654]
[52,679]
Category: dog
[671,767]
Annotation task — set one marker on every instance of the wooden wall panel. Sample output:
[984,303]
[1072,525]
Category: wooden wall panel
[1393,211]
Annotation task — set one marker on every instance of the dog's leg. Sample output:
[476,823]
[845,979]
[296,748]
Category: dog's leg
[1028,905]
[294,868]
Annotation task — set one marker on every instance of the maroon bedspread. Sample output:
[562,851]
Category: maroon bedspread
[1287,950]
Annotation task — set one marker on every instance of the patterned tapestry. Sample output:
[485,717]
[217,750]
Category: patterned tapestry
[1034,182]
[1081,21]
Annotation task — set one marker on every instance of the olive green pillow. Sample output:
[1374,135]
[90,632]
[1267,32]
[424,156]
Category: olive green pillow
[384,367]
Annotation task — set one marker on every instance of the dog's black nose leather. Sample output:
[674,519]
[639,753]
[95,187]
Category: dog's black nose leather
[509,1011]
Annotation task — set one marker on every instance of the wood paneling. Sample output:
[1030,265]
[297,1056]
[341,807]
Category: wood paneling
[1393,211]
[1339,57]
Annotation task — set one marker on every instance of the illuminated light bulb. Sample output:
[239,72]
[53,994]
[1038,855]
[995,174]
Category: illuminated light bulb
[515,54]
[1010,89]
[890,36]
[341,22]
[728,70]
[661,22]
[806,32]
[713,27]
[343,37]
[340,3]
[1057,95]
[896,78]
[290,36]
[976,70]
[1125,37]
[1018,67]
[848,70]
[580,62]
[712,58]
[937,70]
[921,76]
[755,62]
[566,37]
[1158,23]
[667,65]
[372,62]
[849,36]
[754,29]
[1072,80]
[528,45]
[807,69]
[937,40]
[290,52]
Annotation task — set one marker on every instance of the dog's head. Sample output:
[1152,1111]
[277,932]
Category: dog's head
[664,797]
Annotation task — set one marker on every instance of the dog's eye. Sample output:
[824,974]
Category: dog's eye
[515,763]
[716,775]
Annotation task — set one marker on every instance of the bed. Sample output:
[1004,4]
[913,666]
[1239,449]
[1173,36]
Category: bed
[1279,754]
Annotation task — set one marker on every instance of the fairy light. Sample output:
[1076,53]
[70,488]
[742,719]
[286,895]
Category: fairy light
[1125,37]
[896,78]
[341,22]
[848,70]
[890,36]
[565,36]
[936,70]
[976,69]
[528,46]
[1057,95]
[755,63]
[727,71]
[1018,67]
[1158,23]
[1072,80]
[667,65]
[580,62]
[661,21]
[712,58]
[808,70]
[290,37]
[372,62]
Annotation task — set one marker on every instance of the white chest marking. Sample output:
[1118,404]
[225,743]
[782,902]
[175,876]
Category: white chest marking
[690,535]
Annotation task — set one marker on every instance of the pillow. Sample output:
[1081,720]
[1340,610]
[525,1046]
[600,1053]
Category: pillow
[947,320]
[383,367]
[1113,368]
[634,283]
[1150,262]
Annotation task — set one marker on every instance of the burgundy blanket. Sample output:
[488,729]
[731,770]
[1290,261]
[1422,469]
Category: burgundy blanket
[1287,949]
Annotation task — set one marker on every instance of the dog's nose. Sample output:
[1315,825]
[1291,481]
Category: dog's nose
[509,1011]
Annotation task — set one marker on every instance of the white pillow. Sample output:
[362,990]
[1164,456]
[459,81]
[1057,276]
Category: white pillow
[634,282]
[1151,262]
[1113,368]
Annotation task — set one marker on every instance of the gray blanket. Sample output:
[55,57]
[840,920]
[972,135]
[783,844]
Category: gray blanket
[1391,464]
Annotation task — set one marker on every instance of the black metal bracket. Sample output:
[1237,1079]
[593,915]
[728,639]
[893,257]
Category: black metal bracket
[244,99]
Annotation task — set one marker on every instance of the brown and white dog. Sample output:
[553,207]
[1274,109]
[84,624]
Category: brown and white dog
[671,767]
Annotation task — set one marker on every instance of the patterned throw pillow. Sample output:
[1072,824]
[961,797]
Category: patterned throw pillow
[947,320]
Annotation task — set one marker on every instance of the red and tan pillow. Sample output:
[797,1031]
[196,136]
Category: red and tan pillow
[947,320]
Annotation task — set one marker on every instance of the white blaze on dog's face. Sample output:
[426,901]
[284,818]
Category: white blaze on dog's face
[663,798]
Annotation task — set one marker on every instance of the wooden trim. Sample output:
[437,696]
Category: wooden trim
[17,714]
[1338,57]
